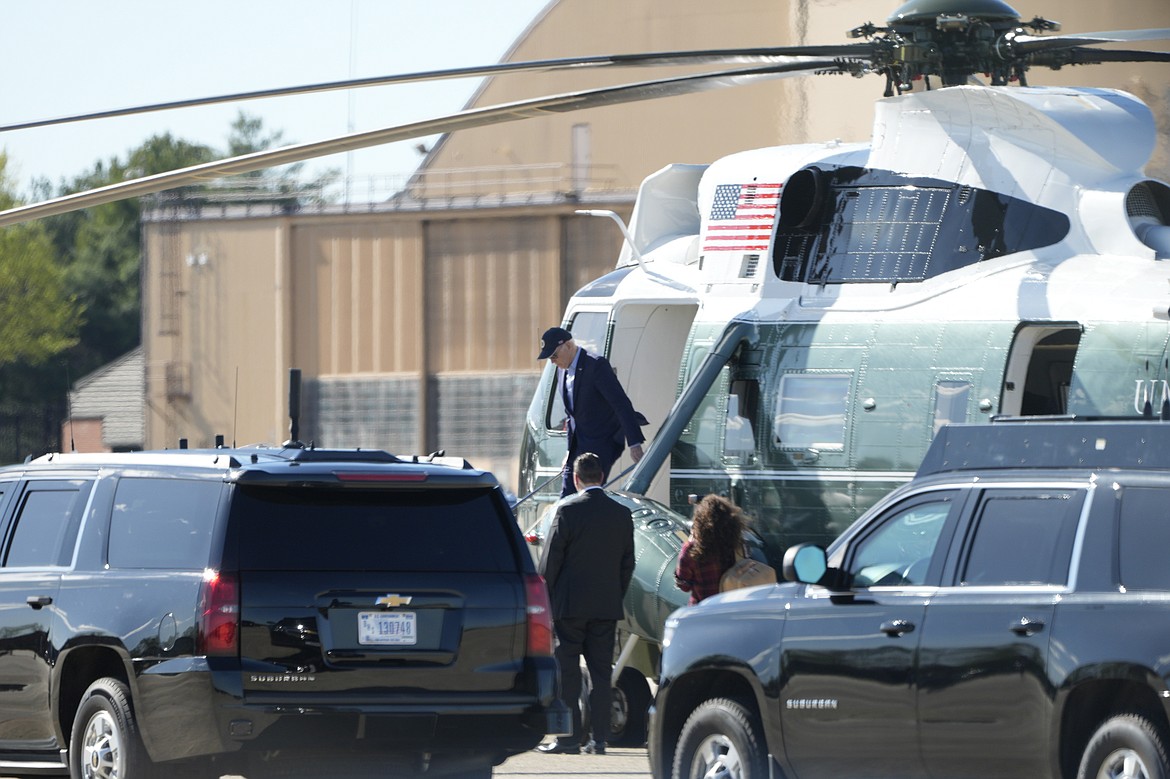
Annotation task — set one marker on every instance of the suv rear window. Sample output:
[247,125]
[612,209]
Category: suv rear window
[1143,538]
[363,530]
[162,523]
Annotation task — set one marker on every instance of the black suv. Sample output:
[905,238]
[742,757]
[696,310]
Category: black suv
[266,611]
[1005,614]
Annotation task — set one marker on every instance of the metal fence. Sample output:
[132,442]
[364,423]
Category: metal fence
[29,430]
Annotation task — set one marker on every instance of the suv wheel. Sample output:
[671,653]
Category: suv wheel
[1125,747]
[720,738]
[105,743]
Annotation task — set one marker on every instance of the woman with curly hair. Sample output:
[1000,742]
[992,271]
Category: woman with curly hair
[716,536]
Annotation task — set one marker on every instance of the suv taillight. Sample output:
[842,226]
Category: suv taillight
[219,615]
[540,626]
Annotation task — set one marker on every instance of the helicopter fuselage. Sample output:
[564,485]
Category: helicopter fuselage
[992,251]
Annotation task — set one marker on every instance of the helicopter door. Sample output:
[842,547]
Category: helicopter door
[646,350]
[1039,370]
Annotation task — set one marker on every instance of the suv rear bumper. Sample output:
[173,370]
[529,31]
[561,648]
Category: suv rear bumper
[224,723]
[511,727]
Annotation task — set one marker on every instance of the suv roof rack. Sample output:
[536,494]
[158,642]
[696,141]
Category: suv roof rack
[205,458]
[1048,443]
[235,458]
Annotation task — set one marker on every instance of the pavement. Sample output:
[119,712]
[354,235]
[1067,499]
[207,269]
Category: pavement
[616,762]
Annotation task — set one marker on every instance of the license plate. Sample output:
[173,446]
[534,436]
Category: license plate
[387,628]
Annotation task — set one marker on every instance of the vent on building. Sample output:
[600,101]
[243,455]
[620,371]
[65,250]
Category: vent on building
[178,381]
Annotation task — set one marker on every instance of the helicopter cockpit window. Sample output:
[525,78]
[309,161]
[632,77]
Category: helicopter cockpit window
[739,437]
[810,411]
[698,446]
[849,225]
[589,329]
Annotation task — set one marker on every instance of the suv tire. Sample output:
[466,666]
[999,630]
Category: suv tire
[105,743]
[1127,745]
[720,738]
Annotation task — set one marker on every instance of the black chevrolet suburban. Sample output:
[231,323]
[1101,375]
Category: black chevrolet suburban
[266,611]
[1005,614]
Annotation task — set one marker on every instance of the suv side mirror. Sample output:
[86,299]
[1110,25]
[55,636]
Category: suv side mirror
[805,563]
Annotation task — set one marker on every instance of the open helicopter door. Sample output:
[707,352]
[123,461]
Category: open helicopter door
[646,349]
[644,342]
[1040,370]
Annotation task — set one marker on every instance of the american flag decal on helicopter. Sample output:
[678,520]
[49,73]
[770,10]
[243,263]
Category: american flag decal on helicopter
[742,216]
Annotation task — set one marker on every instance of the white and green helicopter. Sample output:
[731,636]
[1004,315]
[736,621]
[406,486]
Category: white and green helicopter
[798,321]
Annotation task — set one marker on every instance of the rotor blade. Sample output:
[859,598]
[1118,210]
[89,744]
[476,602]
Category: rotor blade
[1087,56]
[463,120]
[703,57]
[1026,44]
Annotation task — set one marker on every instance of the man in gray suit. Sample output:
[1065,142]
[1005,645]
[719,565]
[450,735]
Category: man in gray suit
[588,560]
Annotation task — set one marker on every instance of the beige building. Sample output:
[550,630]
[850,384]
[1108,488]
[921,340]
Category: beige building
[415,321]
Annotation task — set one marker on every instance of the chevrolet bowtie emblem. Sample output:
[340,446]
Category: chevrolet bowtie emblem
[392,600]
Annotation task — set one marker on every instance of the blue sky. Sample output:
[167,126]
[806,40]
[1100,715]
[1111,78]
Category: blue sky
[76,56]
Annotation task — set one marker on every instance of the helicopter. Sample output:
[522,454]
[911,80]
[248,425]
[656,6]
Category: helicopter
[798,321]
[823,309]
[782,243]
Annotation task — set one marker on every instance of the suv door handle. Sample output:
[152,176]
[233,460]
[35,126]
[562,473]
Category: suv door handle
[1026,626]
[39,601]
[897,627]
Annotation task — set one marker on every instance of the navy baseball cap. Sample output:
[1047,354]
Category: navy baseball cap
[552,338]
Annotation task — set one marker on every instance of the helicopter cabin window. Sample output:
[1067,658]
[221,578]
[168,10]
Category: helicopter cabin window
[589,329]
[950,402]
[811,410]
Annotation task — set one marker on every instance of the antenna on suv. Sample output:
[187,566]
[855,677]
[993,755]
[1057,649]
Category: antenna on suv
[294,408]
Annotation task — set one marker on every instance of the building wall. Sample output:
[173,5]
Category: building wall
[356,291]
[413,332]
[82,435]
[215,309]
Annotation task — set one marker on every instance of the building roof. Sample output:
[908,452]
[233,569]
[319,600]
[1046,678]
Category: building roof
[115,393]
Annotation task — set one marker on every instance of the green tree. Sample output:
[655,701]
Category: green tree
[248,136]
[38,318]
[39,321]
[283,183]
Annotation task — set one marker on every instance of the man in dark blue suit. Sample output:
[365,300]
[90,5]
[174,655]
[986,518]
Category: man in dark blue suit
[588,561]
[601,418]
